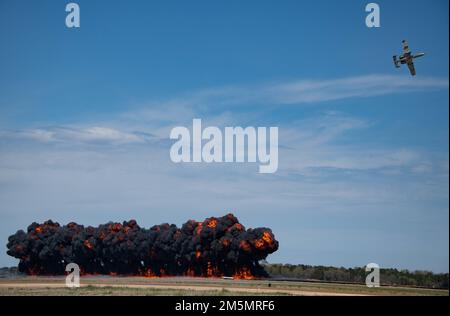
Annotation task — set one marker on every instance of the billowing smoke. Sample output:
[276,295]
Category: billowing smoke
[215,247]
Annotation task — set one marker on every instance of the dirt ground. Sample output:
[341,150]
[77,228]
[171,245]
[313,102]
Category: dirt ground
[101,285]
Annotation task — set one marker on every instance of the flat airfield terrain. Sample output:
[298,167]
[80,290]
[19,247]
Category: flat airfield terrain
[119,286]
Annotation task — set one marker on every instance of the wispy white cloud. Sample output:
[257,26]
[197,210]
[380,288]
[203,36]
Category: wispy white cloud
[320,129]
[307,91]
[306,144]
[94,134]
[312,144]
[312,91]
[216,105]
[224,100]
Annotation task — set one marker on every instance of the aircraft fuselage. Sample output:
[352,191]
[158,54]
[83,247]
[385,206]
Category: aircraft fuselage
[405,58]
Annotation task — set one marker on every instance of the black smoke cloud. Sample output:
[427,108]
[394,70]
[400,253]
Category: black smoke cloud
[215,247]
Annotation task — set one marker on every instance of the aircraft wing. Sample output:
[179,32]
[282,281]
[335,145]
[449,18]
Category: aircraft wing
[412,70]
[406,49]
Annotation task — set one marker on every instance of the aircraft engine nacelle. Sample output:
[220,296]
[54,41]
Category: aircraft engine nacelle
[396,61]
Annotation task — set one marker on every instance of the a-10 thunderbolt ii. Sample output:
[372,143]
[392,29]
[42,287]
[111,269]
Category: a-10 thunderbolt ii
[407,58]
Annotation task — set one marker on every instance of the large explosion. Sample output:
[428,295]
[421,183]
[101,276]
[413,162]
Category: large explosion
[212,248]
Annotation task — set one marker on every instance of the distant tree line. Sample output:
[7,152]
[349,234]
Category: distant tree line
[392,277]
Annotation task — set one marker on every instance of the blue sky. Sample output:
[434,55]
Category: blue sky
[85,116]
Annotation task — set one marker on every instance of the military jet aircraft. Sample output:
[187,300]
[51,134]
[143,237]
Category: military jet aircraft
[407,58]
